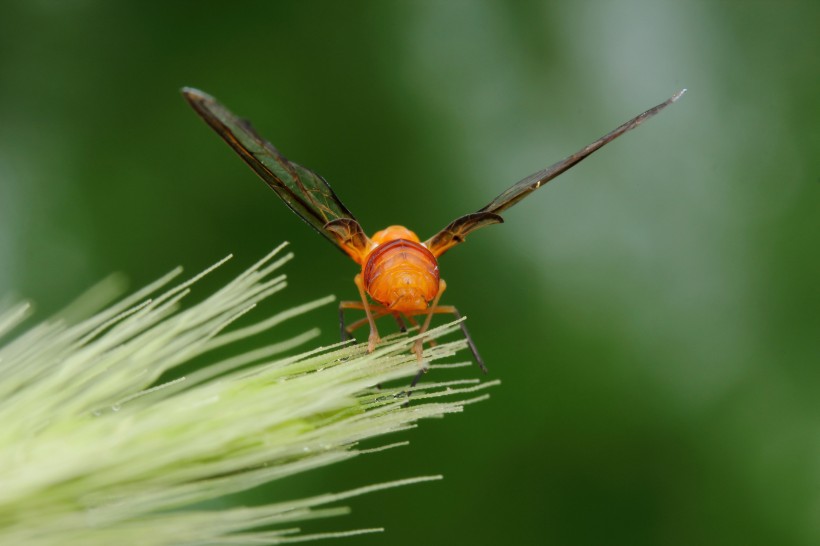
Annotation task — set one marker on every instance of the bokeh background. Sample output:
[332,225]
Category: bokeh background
[654,314]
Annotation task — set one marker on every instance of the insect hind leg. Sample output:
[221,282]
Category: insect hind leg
[346,332]
[451,310]
[345,329]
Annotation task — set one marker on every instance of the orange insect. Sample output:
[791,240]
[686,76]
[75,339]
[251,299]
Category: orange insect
[398,271]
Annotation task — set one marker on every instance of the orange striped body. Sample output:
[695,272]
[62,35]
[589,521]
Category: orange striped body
[399,272]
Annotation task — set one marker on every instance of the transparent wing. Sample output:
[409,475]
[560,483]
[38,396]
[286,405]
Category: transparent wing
[456,231]
[305,192]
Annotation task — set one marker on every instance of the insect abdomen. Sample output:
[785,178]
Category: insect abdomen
[402,275]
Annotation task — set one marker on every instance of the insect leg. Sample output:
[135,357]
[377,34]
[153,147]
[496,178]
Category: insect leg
[373,339]
[450,310]
[356,325]
[414,322]
[348,329]
[344,331]
[415,381]
[399,322]
[419,344]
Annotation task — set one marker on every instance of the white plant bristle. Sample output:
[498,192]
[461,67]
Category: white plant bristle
[103,443]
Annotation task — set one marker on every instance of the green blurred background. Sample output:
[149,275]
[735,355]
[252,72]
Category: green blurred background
[653,314]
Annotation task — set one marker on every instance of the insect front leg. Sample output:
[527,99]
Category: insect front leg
[373,339]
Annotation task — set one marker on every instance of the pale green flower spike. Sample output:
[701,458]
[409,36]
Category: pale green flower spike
[92,451]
